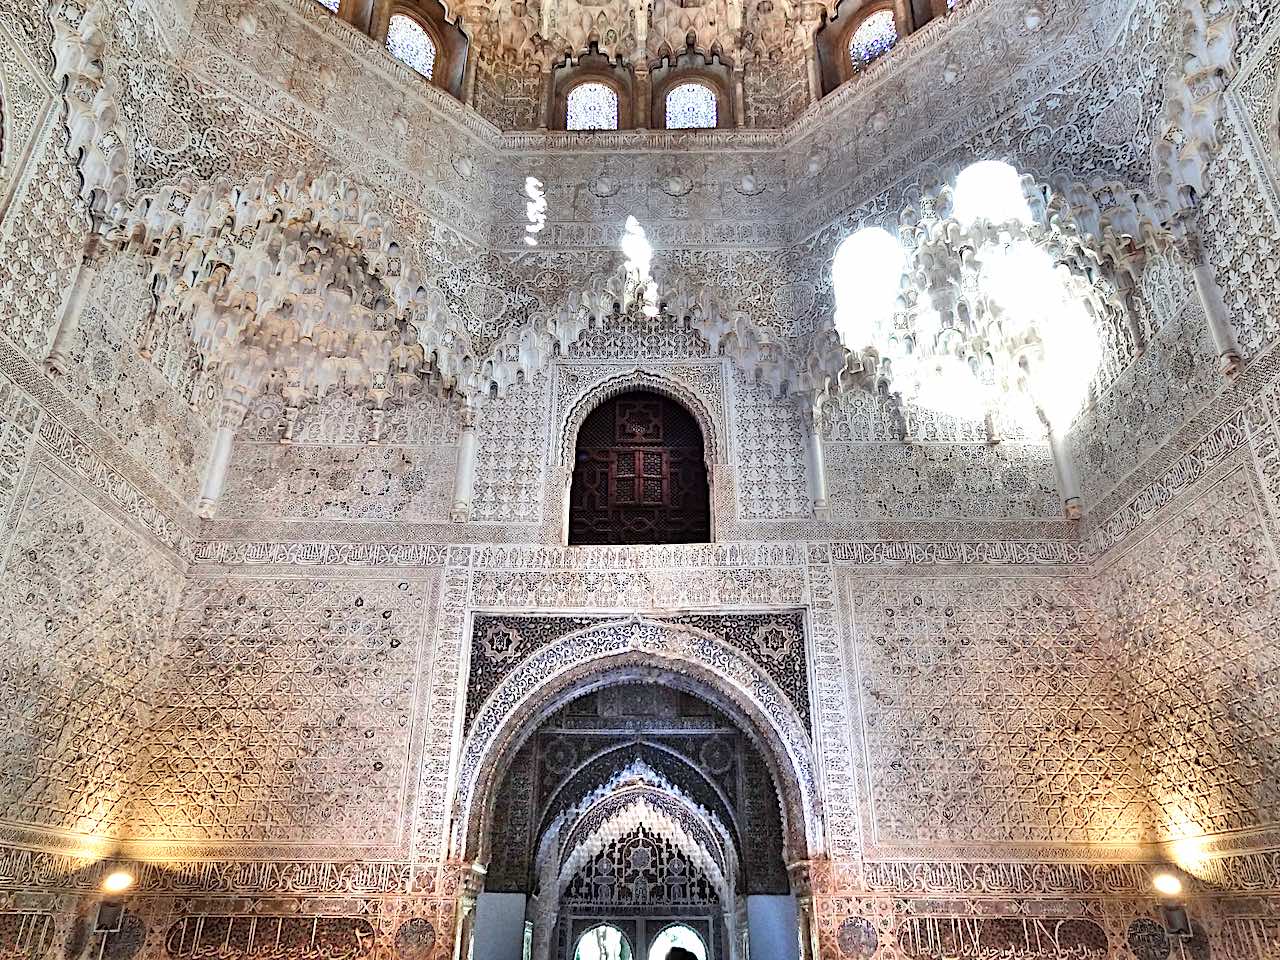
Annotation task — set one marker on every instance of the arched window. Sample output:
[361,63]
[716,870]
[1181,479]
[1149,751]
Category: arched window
[866,276]
[677,935]
[603,942]
[639,474]
[410,43]
[990,190]
[592,106]
[330,5]
[691,106]
[873,38]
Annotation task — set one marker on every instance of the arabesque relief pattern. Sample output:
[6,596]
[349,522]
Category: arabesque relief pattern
[996,719]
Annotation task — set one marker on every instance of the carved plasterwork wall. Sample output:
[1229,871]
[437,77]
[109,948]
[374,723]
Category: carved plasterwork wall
[1007,675]
[26,93]
[988,721]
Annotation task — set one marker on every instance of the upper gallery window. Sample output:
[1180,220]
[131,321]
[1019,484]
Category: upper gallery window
[592,106]
[873,38]
[331,5]
[691,106]
[409,43]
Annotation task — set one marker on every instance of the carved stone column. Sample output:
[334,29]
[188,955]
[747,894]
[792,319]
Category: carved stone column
[471,883]
[1186,238]
[644,97]
[1126,273]
[806,35]
[465,472]
[55,364]
[806,922]
[739,939]
[817,463]
[469,71]
[740,95]
[231,414]
[543,917]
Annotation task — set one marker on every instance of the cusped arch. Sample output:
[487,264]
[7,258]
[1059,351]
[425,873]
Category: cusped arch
[619,815]
[699,824]
[640,379]
[564,797]
[621,651]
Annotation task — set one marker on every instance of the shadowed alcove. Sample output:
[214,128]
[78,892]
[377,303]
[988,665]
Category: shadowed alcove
[639,474]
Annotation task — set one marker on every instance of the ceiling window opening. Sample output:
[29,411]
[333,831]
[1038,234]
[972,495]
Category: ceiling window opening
[866,278]
[990,190]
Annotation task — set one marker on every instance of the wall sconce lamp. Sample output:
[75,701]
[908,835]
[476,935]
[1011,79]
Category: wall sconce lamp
[111,909]
[1173,912]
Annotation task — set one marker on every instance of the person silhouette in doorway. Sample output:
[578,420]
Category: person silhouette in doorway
[680,953]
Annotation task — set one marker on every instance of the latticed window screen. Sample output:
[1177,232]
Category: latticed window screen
[639,475]
[592,106]
[640,869]
[691,106]
[409,43]
[873,38]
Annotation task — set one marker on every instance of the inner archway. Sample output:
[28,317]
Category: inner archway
[643,809]
[639,474]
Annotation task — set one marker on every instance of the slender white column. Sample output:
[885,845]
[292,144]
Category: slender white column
[472,885]
[548,97]
[55,364]
[806,930]
[817,465]
[811,68]
[230,416]
[1209,293]
[1215,311]
[739,97]
[469,75]
[1065,468]
[1126,278]
[465,472]
[642,107]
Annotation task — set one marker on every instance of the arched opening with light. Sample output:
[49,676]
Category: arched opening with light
[591,105]
[678,936]
[604,941]
[866,278]
[631,843]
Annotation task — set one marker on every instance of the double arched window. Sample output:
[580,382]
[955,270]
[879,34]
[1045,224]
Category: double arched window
[409,42]
[691,106]
[591,105]
[1004,277]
